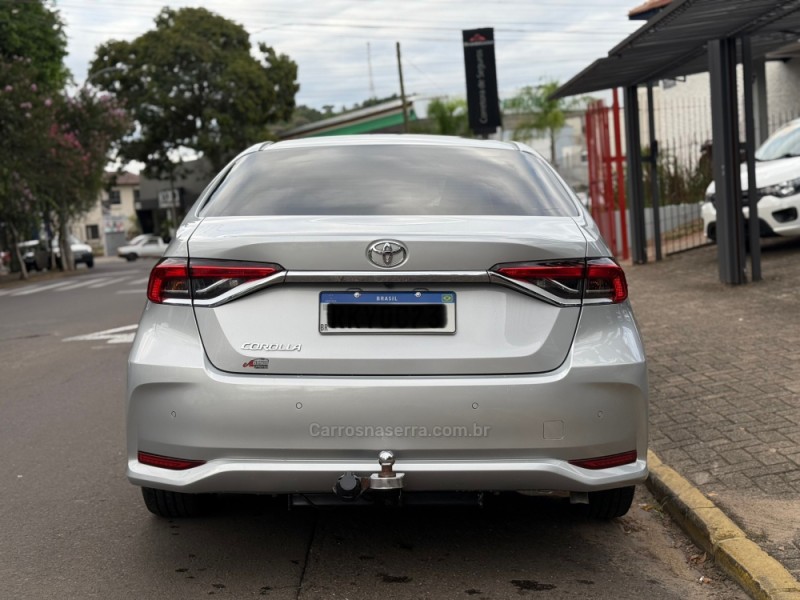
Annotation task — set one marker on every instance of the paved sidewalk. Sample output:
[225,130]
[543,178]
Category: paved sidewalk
[725,386]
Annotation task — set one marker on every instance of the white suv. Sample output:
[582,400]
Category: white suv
[37,257]
[778,178]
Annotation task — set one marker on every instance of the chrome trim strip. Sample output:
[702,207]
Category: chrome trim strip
[387,276]
[177,302]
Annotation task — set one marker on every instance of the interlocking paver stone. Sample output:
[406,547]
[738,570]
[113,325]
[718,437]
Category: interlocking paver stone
[725,384]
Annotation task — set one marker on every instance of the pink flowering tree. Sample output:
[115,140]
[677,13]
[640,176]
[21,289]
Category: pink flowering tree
[82,139]
[53,153]
[26,113]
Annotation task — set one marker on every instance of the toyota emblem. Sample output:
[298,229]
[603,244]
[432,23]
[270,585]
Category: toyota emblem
[387,254]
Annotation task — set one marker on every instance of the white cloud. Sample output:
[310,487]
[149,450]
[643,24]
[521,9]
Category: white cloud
[535,39]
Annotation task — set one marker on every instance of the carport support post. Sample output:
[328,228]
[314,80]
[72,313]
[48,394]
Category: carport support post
[753,225]
[725,135]
[654,179]
[635,189]
[758,85]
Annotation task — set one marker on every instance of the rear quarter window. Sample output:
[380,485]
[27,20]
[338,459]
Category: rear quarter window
[376,179]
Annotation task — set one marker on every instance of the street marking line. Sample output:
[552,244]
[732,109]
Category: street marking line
[33,289]
[118,335]
[80,284]
[100,284]
[130,292]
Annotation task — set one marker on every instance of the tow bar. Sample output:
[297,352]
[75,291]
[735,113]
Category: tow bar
[383,488]
[387,479]
[350,486]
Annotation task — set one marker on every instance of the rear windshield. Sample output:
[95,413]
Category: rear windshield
[390,180]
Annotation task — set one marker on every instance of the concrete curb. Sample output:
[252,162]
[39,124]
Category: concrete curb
[760,575]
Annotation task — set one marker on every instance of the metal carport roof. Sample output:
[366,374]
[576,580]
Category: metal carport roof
[675,41]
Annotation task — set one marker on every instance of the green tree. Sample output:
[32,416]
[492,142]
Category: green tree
[448,117]
[22,137]
[53,150]
[192,82]
[540,113]
[53,147]
[32,71]
[34,31]
[84,130]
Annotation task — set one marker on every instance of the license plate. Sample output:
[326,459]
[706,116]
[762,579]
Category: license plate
[387,312]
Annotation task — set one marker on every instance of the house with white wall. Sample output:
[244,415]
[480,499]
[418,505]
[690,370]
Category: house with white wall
[107,225]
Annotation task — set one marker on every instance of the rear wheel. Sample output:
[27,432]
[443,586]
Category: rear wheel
[175,504]
[131,257]
[610,504]
[90,262]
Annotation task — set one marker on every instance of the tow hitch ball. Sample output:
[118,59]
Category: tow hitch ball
[350,486]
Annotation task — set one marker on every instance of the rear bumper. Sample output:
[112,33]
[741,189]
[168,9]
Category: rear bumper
[278,477]
[284,434]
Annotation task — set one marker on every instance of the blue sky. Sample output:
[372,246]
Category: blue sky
[536,40]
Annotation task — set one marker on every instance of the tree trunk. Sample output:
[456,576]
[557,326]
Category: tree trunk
[23,271]
[67,260]
[553,158]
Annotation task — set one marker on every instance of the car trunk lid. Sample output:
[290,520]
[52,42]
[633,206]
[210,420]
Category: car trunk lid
[285,329]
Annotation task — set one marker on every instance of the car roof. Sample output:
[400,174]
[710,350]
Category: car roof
[390,139]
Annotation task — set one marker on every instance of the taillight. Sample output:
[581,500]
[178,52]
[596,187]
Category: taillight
[561,279]
[606,462]
[178,281]
[605,280]
[213,278]
[595,281]
[169,281]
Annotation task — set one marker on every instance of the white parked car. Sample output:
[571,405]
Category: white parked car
[778,181]
[37,257]
[145,245]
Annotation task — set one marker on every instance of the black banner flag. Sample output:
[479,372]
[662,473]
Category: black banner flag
[482,100]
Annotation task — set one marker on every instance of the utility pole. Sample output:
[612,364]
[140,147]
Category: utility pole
[369,69]
[402,90]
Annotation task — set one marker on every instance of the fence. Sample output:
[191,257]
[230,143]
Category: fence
[683,168]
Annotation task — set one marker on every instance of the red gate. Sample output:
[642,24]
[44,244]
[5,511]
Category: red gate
[607,176]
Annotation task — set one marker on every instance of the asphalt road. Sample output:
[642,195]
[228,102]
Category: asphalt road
[71,526]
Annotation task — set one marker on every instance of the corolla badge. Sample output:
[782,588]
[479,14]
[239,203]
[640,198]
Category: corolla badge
[387,253]
[272,347]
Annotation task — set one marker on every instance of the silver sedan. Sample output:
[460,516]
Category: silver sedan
[383,319]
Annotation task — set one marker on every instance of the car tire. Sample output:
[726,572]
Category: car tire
[131,257]
[610,504]
[172,505]
[89,263]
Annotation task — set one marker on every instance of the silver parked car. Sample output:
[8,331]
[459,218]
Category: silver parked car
[370,317]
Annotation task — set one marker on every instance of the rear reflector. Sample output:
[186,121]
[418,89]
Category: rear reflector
[606,462]
[596,280]
[166,462]
[176,280]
